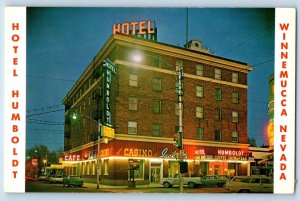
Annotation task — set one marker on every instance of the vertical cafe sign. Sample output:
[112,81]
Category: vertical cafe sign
[109,69]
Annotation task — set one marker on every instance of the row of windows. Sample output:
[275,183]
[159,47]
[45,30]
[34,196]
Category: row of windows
[218,94]
[156,131]
[133,105]
[200,69]
[218,73]
[157,86]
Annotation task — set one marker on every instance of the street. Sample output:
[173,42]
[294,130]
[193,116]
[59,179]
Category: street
[37,186]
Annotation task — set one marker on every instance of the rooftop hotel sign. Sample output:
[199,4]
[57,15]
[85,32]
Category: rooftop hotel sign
[144,29]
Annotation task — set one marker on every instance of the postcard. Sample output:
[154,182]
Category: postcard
[149,100]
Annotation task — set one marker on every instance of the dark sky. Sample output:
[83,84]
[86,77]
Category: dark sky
[61,42]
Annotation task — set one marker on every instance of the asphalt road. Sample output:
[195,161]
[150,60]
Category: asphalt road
[37,186]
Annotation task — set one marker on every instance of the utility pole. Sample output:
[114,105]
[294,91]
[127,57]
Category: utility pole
[180,132]
[98,153]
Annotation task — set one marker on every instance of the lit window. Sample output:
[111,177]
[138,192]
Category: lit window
[106,166]
[157,106]
[235,136]
[179,64]
[199,112]
[199,91]
[200,133]
[218,114]
[133,103]
[157,84]
[218,94]
[235,116]
[157,60]
[133,80]
[156,129]
[218,135]
[218,74]
[138,166]
[132,127]
[199,69]
[235,97]
[235,77]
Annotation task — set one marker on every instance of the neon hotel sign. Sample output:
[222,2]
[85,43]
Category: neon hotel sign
[134,28]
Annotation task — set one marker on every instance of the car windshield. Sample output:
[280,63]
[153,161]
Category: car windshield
[241,179]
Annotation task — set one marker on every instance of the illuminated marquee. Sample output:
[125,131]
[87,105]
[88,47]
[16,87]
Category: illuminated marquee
[145,29]
[72,158]
[110,69]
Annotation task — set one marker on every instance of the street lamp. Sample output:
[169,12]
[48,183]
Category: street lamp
[137,57]
[45,168]
[99,142]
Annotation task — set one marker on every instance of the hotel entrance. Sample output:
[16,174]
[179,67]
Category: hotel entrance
[155,172]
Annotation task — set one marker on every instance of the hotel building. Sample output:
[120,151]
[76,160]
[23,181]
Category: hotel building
[136,96]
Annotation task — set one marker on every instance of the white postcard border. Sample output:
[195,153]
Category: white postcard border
[284,100]
[15,99]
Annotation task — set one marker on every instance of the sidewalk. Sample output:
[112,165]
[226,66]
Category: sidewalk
[102,186]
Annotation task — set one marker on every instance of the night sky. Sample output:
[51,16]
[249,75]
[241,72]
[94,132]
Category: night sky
[61,42]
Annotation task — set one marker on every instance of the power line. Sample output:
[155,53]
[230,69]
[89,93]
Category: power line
[51,78]
[266,61]
[243,42]
[39,121]
[45,112]
[44,108]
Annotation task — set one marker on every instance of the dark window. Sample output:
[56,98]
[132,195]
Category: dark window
[218,135]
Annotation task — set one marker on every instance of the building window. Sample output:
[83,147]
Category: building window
[199,91]
[218,73]
[106,166]
[218,94]
[133,103]
[157,106]
[157,60]
[235,136]
[199,69]
[93,168]
[218,135]
[218,114]
[179,64]
[235,116]
[235,97]
[156,129]
[138,166]
[132,127]
[200,133]
[199,112]
[133,80]
[157,84]
[235,77]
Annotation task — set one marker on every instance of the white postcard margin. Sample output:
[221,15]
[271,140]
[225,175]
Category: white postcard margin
[284,100]
[15,99]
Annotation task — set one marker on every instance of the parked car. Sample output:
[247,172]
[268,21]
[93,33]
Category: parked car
[44,178]
[175,180]
[72,180]
[250,184]
[214,180]
[56,179]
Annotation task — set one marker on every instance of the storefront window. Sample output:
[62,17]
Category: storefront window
[173,168]
[137,166]
[106,167]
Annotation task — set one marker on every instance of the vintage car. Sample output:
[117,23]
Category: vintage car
[44,178]
[214,180]
[250,184]
[72,180]
[55,179]
[175,180]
